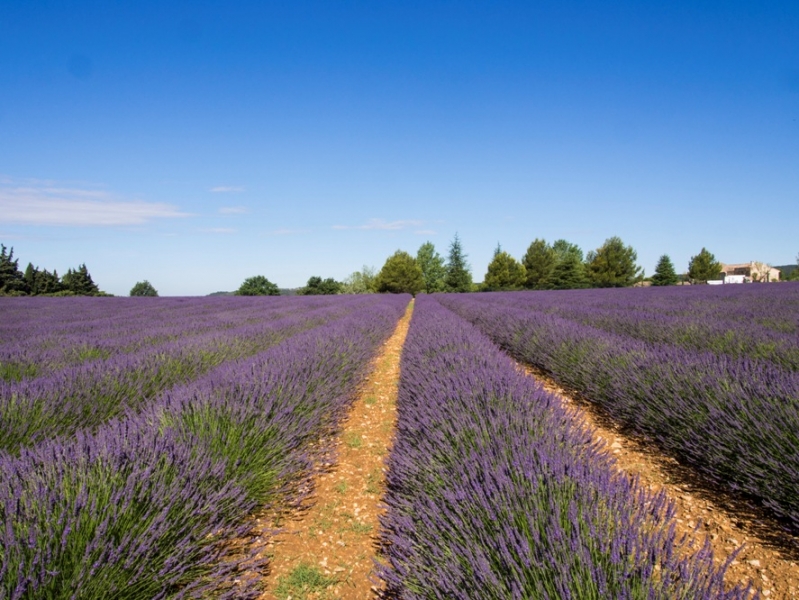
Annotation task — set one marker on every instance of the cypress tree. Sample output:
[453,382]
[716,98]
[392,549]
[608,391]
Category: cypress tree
[664,272]
[458,277]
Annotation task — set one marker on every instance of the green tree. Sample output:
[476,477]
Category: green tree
[569,273]
[539,262]
[703,267]
[400,275]
[12,281]
[664,272]
[504,273]
[458,277]
[613,264]
[80,282]
[258,286]
[360,282]
[47,282]
[564,250]
[30,277]
[143,288]
[317,286]
[433,269]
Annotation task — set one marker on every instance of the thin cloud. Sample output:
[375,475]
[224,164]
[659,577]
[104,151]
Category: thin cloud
[425,232]
[43,204]
[380,224]
[233,210]
[226,189]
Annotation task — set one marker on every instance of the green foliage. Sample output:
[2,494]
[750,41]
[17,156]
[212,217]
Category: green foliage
[143,288]
[569,273]
[304,581]
[703,267]
[458,277]
[613,264]
[258,286]
[80,282]
[664,272]
[433,269]
[565,250]
[41,282]
[400,275]
[504,273]
[12,281]
[316,286]
[539,262]
[360,282]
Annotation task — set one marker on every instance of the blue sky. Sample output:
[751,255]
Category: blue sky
[196,144]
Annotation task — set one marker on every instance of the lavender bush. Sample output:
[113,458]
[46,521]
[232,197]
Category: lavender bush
[143,506]
[88,395]
[732,418]
[493,493]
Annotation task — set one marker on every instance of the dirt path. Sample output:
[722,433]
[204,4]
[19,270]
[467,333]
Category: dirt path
[769,559]
[327,549]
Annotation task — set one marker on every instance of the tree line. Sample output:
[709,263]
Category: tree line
[560,265]
[41,282]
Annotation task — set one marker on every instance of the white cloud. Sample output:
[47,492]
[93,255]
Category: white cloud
[219,230]
[224,189]
[383,225]
[425,232]
[233,210]
[46,203]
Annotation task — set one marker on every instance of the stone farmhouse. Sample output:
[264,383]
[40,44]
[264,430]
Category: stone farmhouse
[755,271]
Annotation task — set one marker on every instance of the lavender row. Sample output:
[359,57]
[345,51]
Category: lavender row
[494,493]
[146,507]
[758,322]
[88,395]
[125,325]
[731,419]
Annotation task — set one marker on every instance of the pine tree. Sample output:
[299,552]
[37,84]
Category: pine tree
[47,282]
[703,267]
[504,273]
[664,272]
[432,265]
[539,263]
[458,277]
[12,280]
[31,278]
[569,273]
[613,264]
[80,282]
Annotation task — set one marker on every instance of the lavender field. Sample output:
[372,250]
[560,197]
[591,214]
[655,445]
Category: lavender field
[494,493]
[136,436]
[707,373]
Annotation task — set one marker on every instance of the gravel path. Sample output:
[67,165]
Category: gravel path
[328,548]
[767,558]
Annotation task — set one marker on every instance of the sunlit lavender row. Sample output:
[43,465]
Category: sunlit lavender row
[732,417]
[494,492]
[85,396]
[756,322]
[145,506]
[43,335]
